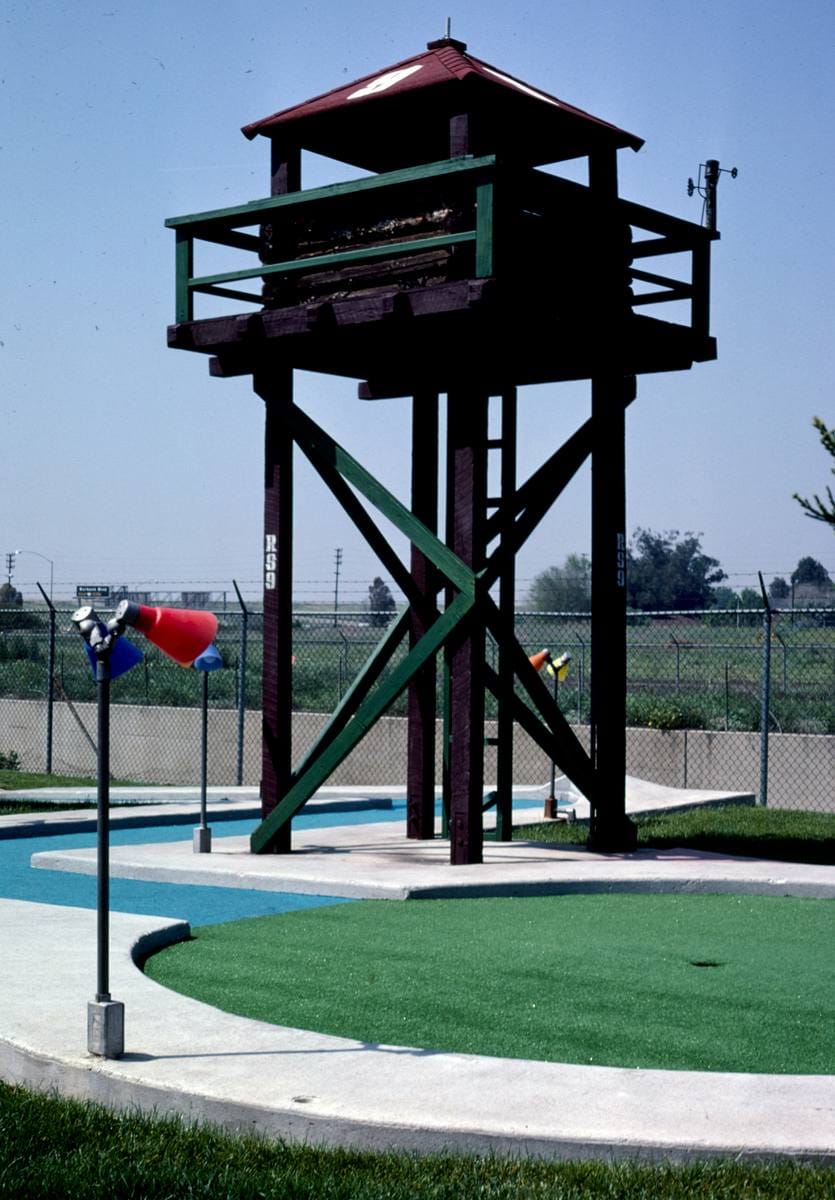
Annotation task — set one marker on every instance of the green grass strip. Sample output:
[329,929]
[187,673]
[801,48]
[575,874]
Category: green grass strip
[727,829]
[15,780]
[715,983]
[51,1149]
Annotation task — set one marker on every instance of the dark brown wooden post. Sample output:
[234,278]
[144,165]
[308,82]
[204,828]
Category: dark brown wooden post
[275,386]
[276,389]
[420,789]
[610,828]
[467,433]
[507,611]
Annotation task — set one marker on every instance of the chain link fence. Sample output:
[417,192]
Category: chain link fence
[739,700]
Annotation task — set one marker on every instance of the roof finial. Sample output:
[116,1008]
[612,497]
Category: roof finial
[447,40]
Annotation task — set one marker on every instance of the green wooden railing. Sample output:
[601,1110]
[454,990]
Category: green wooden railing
[226,227]
[223,227]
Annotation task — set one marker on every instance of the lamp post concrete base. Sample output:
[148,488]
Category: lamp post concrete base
[201,841]
[106,1028]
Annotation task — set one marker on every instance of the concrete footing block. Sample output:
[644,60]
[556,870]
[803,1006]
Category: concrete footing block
[106,1028]
[201,841]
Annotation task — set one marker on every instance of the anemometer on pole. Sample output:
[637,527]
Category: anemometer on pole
[706,185]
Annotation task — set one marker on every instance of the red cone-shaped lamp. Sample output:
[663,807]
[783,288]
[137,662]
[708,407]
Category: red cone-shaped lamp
[181,633]
[539,659]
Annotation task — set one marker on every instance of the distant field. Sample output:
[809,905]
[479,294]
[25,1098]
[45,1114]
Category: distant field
[682,673]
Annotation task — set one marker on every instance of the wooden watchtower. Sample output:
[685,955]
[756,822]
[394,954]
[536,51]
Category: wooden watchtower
[456,268]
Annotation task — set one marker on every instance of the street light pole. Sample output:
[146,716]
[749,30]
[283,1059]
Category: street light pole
[38,554]
[105,1016]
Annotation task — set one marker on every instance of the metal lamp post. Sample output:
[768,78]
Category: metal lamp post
[38,554]
[558,667]
[111,658]
[209,660]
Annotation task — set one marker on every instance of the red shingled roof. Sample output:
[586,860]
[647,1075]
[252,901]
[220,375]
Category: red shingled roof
[351,122]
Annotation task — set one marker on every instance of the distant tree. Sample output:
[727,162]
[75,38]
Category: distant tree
[809,572]
[811,583]
[817,509]
[380,602]
[669,570]
[565,588]
[723,597]
[12,613]
[778,589]
[751,598]
[9,596]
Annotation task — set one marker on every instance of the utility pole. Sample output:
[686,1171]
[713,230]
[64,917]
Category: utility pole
[10,566]
[337,565]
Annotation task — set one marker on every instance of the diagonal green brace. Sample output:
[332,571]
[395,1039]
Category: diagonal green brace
[366,715]
[356,693]
[572,757]
[547,739]
[364,522]
[313,439]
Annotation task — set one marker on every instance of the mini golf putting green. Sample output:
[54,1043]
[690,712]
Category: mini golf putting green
[719,983]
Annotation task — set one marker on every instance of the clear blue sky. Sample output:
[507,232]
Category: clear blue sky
[123,460]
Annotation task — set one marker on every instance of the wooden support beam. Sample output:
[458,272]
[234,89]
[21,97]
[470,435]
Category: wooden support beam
[356,694]
[549,738]
[507,618]
[610,828]
[365,716]
[276,389]
[285,168]
[364,522]
[572,757]
[448,563]
[467,433]
[422,703]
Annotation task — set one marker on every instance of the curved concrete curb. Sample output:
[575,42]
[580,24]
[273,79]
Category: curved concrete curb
[188,1058]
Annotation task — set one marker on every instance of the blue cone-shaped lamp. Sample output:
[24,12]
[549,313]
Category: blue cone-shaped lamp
[123,656]
[209,660]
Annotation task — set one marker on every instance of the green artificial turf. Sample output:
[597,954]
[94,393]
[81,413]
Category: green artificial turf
[52,1148]
[722,983]
[751,832]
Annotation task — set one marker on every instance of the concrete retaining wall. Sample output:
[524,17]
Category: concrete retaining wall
[162,745]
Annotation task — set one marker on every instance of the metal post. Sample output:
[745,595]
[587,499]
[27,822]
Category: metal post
[711,180]
[202,835]
[337,565]
[105,1016]
[727,695]
[241,683]
[764,698]
[551,807]
[50,687]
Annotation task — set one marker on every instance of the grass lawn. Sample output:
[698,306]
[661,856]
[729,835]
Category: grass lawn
[730,829]
[51,1149]
[722,983]
[18,781]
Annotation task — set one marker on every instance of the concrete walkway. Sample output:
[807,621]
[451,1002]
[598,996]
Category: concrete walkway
[185,1057]
[379,862]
